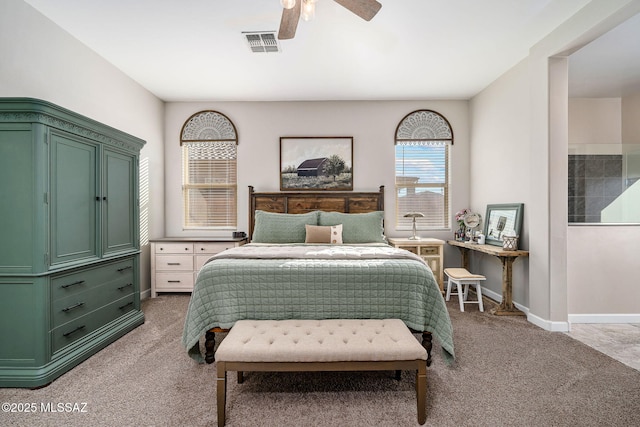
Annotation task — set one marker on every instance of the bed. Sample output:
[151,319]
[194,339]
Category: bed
[315,255]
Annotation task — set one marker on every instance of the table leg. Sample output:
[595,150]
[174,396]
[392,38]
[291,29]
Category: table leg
[464,253]
[506,307]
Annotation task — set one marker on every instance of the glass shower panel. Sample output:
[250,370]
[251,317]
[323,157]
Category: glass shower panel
[604,183]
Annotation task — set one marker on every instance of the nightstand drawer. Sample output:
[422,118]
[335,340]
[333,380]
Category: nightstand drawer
[429,250]
[412,249]
[174,248]
[173,282]
[174,262]
[212,248]
[201,260]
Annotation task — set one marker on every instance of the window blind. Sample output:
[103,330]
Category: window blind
[422,183]
[209,184]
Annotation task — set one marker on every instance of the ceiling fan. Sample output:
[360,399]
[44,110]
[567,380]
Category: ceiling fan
[293,9]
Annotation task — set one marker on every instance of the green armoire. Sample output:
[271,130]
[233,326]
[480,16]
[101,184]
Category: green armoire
[69,239]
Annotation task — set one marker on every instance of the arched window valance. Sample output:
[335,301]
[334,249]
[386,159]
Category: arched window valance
[422,126]
[208,126]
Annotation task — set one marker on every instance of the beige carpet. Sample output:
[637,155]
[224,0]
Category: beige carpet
[508,373]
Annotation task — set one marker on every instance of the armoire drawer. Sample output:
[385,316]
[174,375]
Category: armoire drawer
[71,331]
[78,282]
[71,307]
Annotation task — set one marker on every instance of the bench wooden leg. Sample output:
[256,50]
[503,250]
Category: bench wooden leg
[221,393]
[421,392]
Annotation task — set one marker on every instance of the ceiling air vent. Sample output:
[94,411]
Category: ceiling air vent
[264,41]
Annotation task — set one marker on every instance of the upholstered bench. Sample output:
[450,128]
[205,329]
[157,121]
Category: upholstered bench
[320,345]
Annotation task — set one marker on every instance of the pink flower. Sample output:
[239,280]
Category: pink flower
[461,214]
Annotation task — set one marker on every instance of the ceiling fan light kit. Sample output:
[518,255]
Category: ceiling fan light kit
[293,10]
[288,4]
[308,10]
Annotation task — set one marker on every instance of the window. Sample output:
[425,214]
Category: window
[422,143]
[209,178]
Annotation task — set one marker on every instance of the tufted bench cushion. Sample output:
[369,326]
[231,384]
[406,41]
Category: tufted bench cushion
[320,345]
[328,340]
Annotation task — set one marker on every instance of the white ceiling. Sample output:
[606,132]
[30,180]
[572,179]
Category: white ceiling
[189,50]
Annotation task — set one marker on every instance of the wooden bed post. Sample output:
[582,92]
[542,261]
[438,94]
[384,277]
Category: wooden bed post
[427,344]
[209,346]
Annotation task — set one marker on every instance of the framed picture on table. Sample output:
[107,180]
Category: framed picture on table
[501,220]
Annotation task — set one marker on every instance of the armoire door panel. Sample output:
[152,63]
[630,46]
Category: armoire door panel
[118,204]
[73,199]
[16,208]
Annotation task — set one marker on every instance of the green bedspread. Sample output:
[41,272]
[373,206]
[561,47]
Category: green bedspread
[316,282]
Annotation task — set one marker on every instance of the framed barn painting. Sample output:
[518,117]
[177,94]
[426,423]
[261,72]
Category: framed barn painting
[316,163]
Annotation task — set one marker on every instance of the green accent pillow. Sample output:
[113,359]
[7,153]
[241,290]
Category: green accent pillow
[357,228]
[273,227]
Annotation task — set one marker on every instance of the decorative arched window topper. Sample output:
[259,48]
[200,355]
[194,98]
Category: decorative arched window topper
[422,126]
[208,126]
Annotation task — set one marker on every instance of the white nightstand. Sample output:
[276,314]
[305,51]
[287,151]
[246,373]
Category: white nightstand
[430,250]
[175,262]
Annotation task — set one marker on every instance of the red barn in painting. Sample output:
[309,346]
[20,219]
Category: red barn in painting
[312,167]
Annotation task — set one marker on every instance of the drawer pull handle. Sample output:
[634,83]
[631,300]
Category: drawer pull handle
[124,268]
[79,282]
[173,263]
[80,304]
[74,331]
[173,281]
[125,286]
[126,305]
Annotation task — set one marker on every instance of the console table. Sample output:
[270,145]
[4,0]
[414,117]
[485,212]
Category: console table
[506,307]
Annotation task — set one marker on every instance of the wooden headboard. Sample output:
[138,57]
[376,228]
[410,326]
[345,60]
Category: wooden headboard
[307,201]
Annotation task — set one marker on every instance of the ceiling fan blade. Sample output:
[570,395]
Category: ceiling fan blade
[365,9]
[289,22]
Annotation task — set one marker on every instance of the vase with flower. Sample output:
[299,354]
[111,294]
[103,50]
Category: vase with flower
[461,232]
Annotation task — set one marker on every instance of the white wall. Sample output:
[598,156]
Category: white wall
[500,167]
[261,124]
[603,274]
[40,60]
[595,120]
[547,124]
[631,119]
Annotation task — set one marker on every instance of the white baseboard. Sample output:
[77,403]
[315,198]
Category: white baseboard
[547,325]
[604,318]
[498,298]
[145,294]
